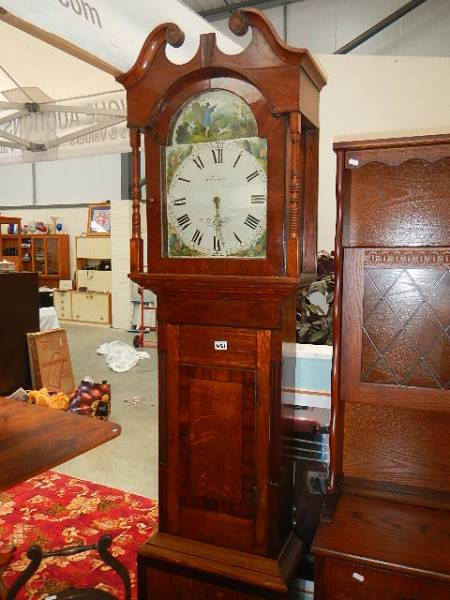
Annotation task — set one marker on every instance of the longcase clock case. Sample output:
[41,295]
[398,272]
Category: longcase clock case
[225,487]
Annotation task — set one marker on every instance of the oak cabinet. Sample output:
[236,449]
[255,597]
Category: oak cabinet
[11,243]
[385,533]
[49,257]
[45,254]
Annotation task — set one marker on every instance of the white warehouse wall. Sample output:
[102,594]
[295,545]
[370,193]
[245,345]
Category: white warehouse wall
[374,97]
[71,181]
[324,26]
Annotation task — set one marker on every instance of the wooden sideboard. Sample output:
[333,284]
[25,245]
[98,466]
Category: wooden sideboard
[385,533]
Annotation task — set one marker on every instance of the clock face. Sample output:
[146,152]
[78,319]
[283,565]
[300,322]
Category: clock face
[216,199]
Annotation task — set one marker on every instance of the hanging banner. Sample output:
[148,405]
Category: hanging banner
[38,124]
[109,34]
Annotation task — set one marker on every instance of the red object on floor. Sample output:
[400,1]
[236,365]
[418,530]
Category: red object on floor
[55,510]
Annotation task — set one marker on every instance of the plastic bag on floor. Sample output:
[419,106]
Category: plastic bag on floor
[121,357]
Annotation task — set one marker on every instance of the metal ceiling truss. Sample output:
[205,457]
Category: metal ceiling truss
[214,14]
[116,116]
[392,18]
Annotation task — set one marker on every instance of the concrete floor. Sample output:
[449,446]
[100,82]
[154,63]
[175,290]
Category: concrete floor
[130,461]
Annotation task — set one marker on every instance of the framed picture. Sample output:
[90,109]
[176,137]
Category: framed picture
[99,219]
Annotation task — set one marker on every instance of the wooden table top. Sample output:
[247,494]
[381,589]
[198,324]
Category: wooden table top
[34,439]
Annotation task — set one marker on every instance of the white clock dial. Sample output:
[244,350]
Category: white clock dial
[216,199]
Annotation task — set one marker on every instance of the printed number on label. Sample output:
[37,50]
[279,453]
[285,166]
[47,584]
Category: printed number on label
[220,345]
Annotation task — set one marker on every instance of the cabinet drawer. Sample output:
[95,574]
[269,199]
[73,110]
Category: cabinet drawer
[91,307]
[218,345]
[350,581]
[62,302]
[91,247]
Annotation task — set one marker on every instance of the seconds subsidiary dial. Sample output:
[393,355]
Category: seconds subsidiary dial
[216,199]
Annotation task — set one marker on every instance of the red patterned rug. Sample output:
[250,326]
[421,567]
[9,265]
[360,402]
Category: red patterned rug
[55,510]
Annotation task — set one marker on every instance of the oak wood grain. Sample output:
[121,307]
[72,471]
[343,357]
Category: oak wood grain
[386,531]
[388,535]
[234,570]
[402,446]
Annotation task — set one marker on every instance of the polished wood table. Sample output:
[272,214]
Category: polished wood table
[34,439]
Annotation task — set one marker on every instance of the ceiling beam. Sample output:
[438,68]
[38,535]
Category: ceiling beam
[366,35]
[214,14]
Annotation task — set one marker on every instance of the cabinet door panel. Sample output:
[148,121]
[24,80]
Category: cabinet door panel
[94,281]
[90,307]
[38,249]
[216,428]
[53,267]
[98,248]
[217,452]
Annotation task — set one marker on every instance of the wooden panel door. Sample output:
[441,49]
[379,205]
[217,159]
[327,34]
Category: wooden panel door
[217,477]
[397,365]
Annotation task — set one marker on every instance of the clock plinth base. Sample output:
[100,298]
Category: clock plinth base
[171,567]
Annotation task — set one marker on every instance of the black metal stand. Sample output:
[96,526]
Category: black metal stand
[35,554]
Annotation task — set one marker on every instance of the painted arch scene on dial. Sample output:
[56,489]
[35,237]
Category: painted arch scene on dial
[215,180]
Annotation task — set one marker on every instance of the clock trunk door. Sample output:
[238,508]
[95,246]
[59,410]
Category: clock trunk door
[217,455]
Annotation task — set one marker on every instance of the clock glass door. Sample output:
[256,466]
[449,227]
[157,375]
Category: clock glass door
[215,181]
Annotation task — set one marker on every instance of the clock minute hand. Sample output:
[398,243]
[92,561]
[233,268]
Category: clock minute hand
[217,221]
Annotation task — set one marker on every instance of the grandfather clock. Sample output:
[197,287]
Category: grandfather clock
[231,155]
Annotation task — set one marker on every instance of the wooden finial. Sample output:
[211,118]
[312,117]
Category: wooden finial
[238,23]
[174,35]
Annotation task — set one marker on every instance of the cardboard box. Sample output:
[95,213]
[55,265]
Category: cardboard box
[50,362]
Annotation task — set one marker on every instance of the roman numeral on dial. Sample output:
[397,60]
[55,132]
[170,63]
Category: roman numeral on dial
[251,222]
[216,244]
[184,179]
[258,199]
[217,155]
[252,176]
[180,202]
[237,237]
[197,237]
[237,160]
[184,221]
[198,161]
